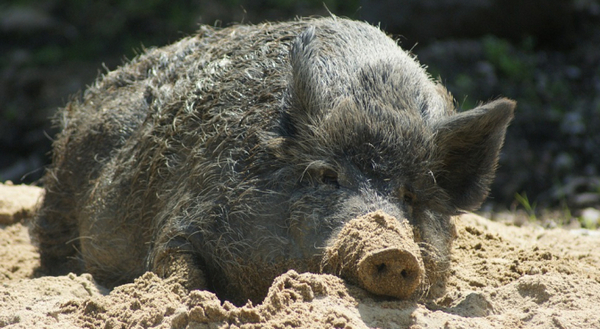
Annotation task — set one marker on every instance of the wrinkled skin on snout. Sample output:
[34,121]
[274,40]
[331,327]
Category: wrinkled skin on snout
[232,156]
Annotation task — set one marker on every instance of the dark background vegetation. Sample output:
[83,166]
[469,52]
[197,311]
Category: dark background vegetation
[543,53]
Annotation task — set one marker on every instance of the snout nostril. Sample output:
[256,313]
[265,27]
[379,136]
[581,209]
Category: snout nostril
[404,273]
[382,268]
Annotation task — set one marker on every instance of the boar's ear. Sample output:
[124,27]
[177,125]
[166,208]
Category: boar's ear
[305,99]
[470,143]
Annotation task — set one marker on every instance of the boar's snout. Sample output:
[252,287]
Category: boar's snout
[378,253]
[391,272]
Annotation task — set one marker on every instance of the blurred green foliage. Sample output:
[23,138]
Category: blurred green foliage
[93,29]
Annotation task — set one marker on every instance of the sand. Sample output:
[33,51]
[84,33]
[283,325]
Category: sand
[502,276]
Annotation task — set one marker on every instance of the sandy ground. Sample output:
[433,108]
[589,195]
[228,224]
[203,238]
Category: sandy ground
[502,277]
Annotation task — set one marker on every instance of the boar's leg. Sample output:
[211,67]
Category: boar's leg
[177,263]
[54,230]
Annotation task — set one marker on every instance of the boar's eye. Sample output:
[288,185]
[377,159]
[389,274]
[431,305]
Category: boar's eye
[329,177]
[407,197]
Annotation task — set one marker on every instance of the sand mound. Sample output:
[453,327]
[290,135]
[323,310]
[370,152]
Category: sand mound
[502,277]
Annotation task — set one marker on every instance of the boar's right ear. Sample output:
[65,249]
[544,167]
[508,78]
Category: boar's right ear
[469,143]
[305,98]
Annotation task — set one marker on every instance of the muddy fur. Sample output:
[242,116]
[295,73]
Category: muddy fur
[241,151]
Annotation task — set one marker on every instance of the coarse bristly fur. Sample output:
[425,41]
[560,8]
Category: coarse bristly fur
[241,152]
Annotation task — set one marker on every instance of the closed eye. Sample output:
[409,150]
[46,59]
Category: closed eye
[329,177]
[407,197]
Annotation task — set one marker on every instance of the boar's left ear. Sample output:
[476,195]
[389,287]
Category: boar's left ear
[470,143]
